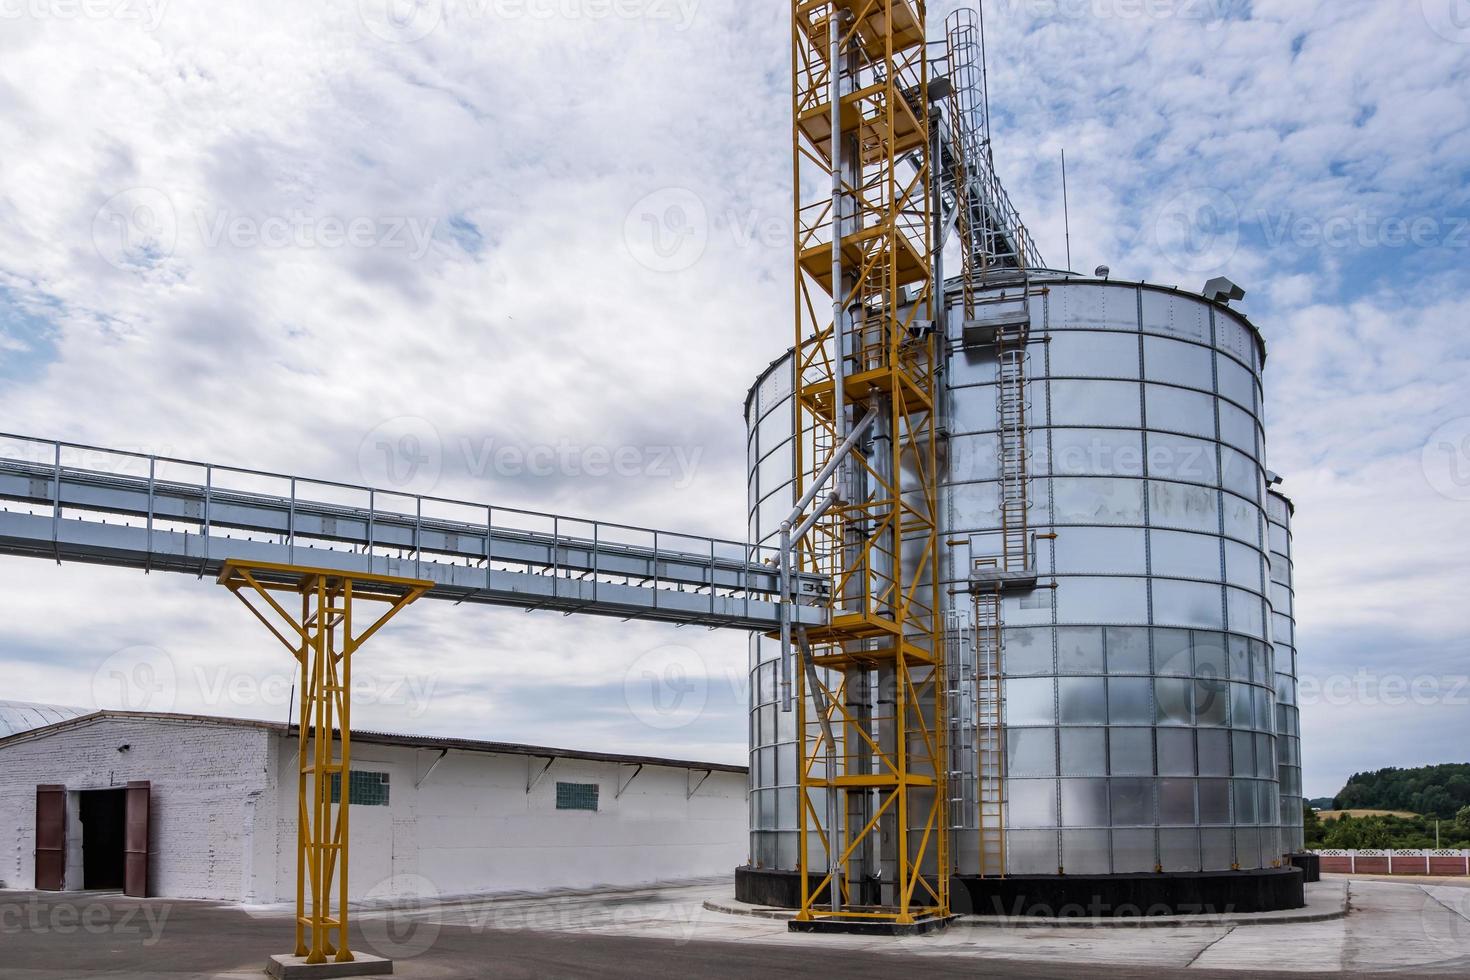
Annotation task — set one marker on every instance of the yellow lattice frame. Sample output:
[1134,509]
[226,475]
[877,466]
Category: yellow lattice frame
[322,640]
[882,550]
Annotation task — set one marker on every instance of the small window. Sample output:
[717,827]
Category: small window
[364,788]
[576,796]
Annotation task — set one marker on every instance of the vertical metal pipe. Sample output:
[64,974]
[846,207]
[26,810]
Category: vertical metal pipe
[208,499]
[555,557]
[784,573]
[56,505]
[418,534]
[344,952]
[985,86]
[839,287]
[1066,211]
[787,539]
[148,558]
[303,818]
[319,780]
[833,825]
[291,527]
[939,306]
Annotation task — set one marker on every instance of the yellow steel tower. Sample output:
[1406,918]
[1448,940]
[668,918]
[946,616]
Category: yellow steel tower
[871,728]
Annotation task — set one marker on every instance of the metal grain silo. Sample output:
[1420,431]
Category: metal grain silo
[1138,713]
[1279,513]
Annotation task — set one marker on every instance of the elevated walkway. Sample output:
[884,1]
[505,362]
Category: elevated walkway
[80,503]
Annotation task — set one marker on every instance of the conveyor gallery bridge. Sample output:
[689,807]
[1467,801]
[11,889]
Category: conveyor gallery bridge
[81,503]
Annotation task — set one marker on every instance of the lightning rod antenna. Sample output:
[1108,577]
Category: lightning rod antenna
[985,84]
[1066,211]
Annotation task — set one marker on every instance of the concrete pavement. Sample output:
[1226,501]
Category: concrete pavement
[1414,929]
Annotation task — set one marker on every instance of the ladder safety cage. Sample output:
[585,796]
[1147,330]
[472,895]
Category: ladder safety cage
[991,233]
[996,252]
[990,761]
[960,661]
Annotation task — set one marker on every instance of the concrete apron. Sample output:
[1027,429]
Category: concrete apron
[1326,900]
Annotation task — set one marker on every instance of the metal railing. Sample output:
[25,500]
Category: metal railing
[69,501]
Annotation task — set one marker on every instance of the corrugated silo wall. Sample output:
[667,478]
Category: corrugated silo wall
[1279,512]
[1139,706]
[770,418]
[1140,709]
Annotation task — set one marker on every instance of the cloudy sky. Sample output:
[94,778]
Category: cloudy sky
[526,234]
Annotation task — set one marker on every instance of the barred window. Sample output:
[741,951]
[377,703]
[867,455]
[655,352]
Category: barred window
[363,788]
[576,796]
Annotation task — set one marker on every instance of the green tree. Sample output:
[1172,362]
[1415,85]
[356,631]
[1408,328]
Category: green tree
[1312,827]
[1342,832]
[1373,832]
[1458,786]
[1436,801]
[1440,789]
[1462,822]
[1352,797]
[1356,835]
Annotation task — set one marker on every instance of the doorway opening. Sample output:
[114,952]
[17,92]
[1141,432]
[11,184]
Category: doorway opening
[103,814]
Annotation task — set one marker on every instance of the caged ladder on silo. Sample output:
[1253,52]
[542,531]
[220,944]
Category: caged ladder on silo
[990,786]
[994,246]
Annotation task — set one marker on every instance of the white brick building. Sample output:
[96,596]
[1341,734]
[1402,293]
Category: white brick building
[460,816]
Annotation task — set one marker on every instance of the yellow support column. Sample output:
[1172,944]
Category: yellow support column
[323,640]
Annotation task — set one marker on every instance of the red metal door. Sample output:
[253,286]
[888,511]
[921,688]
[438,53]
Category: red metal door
[135,840]
[50,838]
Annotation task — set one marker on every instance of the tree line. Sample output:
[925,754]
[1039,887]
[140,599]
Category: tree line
[1404,833]
[1437,796]
[1437,791]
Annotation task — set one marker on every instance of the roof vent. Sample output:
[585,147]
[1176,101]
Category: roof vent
[1222,290]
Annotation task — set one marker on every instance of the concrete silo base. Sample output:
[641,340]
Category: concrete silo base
[1078,896]
[868,928]
[1168,893]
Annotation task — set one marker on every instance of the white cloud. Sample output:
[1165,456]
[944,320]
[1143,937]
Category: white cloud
[524,143]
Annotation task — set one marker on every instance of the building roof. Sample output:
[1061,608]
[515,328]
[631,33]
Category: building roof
[367,737]
[23,716]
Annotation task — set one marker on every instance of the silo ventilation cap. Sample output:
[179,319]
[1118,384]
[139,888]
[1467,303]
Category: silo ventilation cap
[1222,290]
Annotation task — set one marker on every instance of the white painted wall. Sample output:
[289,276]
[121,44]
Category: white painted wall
[224,815]
[203,776]
[472,827]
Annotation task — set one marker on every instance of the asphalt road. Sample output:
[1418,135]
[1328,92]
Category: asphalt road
[49,935]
